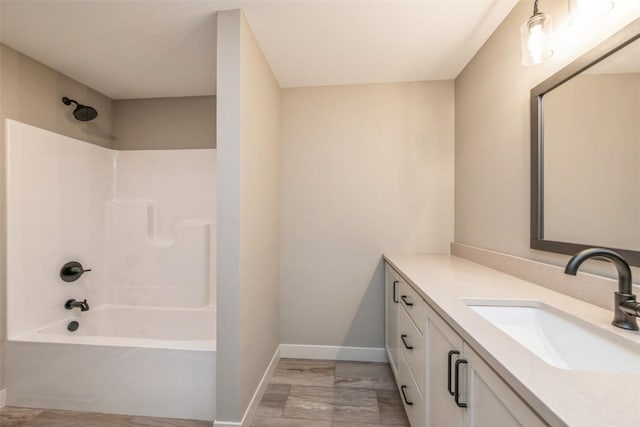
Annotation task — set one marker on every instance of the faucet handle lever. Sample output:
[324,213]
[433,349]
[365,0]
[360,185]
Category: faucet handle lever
[625,311]
[71,271]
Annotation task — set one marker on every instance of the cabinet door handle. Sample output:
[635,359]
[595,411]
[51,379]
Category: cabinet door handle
[395,283]
[404,298]
[404,396]
[449,365]
[456,392]
[407,346]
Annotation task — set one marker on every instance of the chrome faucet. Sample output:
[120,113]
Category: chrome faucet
[625,306]
[71,304]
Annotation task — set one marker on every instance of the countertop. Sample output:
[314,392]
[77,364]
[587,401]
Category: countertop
[561,397]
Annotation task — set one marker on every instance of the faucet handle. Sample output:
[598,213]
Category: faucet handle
[626,309]
[71,271]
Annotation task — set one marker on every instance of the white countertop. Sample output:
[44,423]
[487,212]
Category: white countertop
[559,396]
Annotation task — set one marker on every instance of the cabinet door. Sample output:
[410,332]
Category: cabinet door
[412,400]
[442,410]
[491,402]
[392,306]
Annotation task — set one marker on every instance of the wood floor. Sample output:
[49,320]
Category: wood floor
[316,393]
[302,393]
[25,417]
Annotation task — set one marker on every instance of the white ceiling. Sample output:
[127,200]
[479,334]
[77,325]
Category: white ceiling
[162,48]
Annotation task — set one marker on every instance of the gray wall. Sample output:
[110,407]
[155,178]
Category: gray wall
[247,216]
[366,169]
[164,123]
[492,171]
[31,92]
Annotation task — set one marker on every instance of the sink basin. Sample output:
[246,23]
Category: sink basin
[561,340]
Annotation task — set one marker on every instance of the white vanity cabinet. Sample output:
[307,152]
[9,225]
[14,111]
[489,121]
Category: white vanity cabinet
[442,380]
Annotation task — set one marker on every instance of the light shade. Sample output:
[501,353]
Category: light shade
[536,39]
[588,11]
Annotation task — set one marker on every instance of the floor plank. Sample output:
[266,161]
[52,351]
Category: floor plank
[288,422]
[304,372]
[370,375]
[14,417]
[333,404]
[274,400]
[28,417]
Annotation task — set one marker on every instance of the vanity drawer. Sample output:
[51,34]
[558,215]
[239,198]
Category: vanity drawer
[410,395]
[412,343]
[414,304]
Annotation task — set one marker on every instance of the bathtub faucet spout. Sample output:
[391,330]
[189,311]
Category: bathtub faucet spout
[71,304]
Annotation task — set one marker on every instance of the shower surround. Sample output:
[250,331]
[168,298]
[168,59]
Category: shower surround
[144,222]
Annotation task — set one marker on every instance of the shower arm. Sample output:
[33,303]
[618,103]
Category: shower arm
[68,101]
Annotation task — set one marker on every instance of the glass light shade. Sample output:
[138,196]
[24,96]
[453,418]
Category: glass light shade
[588,11]
[536,39]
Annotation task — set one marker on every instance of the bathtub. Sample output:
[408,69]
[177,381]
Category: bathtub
[125,360]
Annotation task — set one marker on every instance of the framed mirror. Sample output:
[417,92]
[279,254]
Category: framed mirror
[585,152]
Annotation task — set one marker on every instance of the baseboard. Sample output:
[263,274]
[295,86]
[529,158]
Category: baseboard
[3,398]
[330,352]
[257,396]
[217,423]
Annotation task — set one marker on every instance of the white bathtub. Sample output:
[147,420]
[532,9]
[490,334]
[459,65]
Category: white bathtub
[125,360]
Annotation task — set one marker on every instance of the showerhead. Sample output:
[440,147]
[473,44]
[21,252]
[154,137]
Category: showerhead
[84,113]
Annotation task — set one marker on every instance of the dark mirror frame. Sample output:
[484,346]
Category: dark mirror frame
[614,43]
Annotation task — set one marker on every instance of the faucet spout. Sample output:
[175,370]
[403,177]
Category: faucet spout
[626,309]
[624,271]
[72,303]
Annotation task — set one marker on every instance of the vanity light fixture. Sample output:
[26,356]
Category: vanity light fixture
[588,11]
[536,36]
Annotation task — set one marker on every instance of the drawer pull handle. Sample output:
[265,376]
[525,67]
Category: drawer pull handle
[407,346]
[404,396]
[404,298]
[449,365]
[456,396]
[395,284]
